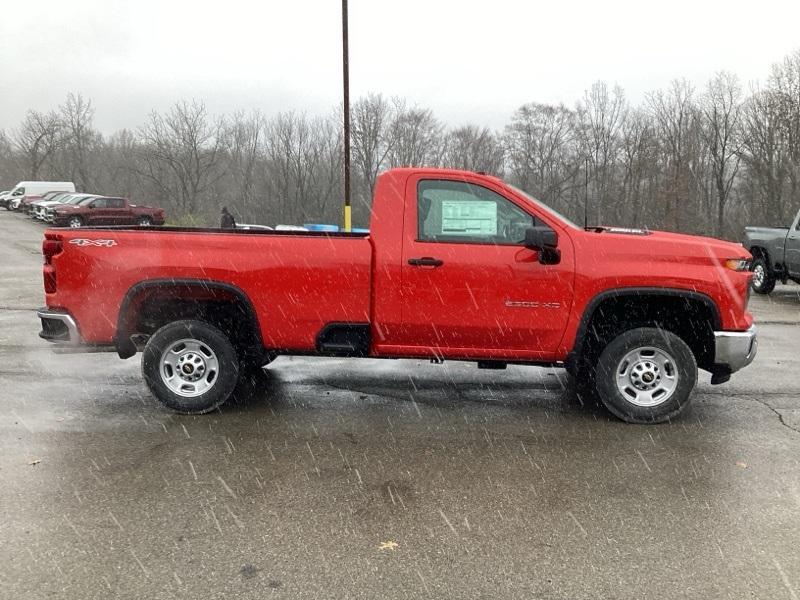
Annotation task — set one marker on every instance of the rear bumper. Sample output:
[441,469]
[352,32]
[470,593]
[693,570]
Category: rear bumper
[58,327]
[734,350]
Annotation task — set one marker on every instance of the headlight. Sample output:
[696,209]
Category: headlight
[737,264]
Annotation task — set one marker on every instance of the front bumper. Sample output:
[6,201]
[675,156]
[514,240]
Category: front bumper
[58,327]
[734,350]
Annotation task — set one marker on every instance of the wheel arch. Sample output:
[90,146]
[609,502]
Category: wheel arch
[185,292]
[671,298]
[761,252]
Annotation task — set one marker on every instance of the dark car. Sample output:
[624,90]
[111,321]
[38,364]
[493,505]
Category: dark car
[105,210]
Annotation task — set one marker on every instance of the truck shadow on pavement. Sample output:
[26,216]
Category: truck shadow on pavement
[281,387]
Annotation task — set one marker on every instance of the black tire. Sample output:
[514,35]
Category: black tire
[75,222]
[144,222]
[679,371]
[227,366]
[763,276]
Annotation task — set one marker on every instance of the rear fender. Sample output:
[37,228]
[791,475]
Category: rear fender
[183,289]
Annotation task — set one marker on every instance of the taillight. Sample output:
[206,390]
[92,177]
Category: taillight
[50,247]
[49,274]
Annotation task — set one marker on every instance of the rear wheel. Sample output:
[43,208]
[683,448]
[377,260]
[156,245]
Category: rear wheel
[190,366]
[75,222]
[646,375]
[763,277]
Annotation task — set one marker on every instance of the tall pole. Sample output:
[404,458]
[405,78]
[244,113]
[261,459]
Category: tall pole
[346,82]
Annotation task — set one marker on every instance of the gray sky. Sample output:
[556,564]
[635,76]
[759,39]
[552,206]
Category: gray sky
[468,61]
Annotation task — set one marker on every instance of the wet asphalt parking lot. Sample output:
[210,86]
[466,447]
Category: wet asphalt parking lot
[387,479]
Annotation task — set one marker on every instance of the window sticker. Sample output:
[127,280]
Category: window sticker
[469,217]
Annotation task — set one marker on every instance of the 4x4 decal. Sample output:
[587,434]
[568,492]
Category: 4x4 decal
[88,242]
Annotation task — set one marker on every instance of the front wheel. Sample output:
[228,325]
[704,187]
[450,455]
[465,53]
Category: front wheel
[763,277]
[190,366]
[144,222]
[75,222]
[646,375]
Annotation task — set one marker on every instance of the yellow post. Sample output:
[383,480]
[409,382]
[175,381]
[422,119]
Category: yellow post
[347,218]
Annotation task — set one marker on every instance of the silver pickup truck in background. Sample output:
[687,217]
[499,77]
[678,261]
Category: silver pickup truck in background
[776,254]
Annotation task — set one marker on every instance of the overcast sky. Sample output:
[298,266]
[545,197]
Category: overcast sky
[468,61]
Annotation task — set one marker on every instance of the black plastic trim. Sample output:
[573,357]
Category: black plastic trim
[638,291]
[266,232]
[123,343]
[353,339]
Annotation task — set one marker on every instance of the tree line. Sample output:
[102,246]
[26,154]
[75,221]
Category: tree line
[701,160]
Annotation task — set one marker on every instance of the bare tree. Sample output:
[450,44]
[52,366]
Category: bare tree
[673,111]
[416,138]
[542,155]
[181,152]
[766,155]
[720,115]
[670,162]
[303,166]
[242,143]
[640,170]
[784,82]
[371,121]
[601,115]
[474,148]
[78,142]
[37,139]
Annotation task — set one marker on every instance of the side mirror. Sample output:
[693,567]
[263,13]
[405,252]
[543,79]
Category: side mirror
[545,240]
[540,238]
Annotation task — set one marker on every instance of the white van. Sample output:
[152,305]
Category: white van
[34,188]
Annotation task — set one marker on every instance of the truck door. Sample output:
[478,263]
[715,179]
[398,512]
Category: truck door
[470,287]
[97,212]
[117,213]
[792,248]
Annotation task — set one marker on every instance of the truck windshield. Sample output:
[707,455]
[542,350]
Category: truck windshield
[542,206]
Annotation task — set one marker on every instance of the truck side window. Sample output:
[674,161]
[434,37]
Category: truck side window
[116,203]
[99,203]
[457,211]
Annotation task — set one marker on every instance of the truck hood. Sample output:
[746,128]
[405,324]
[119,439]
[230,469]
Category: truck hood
[668,244]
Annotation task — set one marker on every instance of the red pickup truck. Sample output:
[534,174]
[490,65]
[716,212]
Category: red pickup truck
[103,210]
[456,265]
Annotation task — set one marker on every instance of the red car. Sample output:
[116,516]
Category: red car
[456,265]
[104,210]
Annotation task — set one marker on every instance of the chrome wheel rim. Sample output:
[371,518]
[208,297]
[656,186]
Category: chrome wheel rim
[758,276]
[74,222]
[189,368]
[647,376]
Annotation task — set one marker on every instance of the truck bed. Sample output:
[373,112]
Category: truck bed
[297,281]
